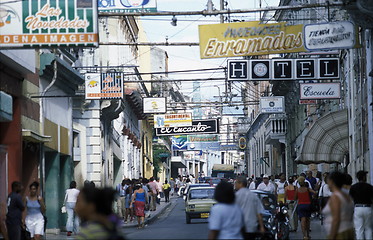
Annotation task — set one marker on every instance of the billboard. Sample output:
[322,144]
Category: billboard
[198,127]
[320,90]
[173,120]
[104,85]
[203,138]
[249,39]
[40,23]
[154,105]
[122,6]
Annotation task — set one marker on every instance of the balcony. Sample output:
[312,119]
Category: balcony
[276,128]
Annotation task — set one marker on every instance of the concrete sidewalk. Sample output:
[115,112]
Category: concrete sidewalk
[151,216]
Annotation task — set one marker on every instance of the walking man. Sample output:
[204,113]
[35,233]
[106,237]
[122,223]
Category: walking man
[154,192]
[121,206]
[362,194]
[251,207]
[15,209]
[266,185]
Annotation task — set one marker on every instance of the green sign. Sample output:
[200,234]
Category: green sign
[52,23]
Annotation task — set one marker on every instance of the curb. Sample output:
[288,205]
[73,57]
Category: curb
[152,217]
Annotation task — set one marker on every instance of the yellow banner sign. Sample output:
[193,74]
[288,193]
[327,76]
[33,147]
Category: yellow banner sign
[249,38]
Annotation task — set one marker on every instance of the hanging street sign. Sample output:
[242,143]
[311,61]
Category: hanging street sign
[272,105]
[125,6]
[283,69]
[173,120]
[249,38]
[331,35]
[198,127]
[104,85]
[320,91]
[154,105]
[40,23]
[203,138]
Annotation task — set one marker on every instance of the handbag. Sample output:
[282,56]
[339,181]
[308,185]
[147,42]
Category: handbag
[63,209]
[25,235]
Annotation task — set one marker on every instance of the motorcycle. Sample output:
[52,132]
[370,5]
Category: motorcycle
[282,222]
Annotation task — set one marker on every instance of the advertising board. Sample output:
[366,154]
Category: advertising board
[40,23]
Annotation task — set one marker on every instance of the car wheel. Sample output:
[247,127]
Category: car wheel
[187,218]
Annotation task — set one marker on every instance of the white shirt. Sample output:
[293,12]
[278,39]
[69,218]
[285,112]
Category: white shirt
[227,219]
[324,190]
[252,185]
[251,207]
[281,187]
[268,188]
[71,195]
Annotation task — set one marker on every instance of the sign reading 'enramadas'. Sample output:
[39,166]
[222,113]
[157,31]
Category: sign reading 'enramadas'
[198,127]
[320,90]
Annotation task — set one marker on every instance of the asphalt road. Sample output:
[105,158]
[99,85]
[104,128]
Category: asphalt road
[171,225]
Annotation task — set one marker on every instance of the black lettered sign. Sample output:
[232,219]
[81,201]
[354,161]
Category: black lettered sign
[328,68]
[282,69]
[260,69]
[198,127]
[305,69]
[238,70]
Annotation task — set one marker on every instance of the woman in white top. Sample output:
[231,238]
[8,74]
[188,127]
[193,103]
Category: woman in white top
[35,208]
[339,210]
[72,224]
[226,219]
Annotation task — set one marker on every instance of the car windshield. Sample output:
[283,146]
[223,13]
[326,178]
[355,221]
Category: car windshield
[215,181]
[202,194]
[269,203]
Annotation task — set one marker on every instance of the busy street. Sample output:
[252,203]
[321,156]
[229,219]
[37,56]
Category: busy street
[186,119]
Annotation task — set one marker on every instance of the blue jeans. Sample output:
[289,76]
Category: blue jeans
[72,224]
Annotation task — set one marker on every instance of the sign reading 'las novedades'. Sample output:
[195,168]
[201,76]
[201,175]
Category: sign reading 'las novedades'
[38,23]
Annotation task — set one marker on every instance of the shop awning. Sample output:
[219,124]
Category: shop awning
[177,161]
[327,140]
[32,136]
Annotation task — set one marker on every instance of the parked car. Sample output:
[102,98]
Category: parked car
[199,201]
[189,186]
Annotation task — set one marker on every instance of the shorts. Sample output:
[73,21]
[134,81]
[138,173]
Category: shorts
[304,210]
[35,226]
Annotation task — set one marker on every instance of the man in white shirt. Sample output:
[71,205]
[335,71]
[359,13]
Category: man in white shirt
[251,206]
[266,185]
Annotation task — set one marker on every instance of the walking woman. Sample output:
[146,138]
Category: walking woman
[139,200]
[71,196]
[290,200]
[129,210]
[303,195]
[35,208]
[339,210]
[226,219]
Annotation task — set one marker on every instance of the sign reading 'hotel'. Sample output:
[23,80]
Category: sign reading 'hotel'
[283,69]
[38,23]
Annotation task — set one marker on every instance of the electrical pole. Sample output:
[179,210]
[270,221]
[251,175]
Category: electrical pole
[222,8]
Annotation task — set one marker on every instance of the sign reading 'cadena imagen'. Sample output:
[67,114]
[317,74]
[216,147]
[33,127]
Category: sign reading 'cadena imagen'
[249,38]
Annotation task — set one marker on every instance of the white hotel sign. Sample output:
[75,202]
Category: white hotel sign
[320,90]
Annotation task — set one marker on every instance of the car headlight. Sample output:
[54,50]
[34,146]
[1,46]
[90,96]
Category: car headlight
[192,206]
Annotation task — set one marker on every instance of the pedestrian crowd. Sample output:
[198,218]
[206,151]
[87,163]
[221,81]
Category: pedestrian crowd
[345,209]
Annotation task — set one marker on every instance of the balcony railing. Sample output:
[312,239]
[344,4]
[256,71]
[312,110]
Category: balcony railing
[276,127]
